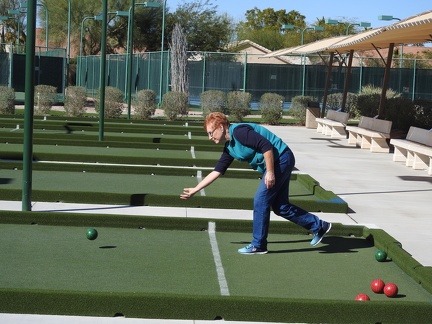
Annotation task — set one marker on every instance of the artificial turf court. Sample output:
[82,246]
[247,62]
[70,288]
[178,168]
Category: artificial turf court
[161,267]
[138,163]
[158,267]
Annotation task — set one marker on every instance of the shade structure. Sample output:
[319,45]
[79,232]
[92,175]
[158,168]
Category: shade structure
[415,29]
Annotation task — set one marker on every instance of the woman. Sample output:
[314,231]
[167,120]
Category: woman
[268,154]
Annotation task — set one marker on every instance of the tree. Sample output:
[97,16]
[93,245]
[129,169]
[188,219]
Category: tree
[147,25]
[9,32]
[205,30]
[257,19]
[264,27]
[179,62]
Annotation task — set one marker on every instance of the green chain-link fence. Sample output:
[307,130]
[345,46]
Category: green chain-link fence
[222,71]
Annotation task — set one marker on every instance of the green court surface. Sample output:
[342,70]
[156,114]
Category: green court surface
[138,266]
[138,163]
[159,187]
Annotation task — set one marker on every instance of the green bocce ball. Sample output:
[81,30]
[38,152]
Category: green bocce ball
[91,234]
[380,256]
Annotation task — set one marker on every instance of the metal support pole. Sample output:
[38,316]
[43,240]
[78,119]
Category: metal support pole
[103,70]
[162,52]
[129,59]
[29,107]
[245,71]
[68,42]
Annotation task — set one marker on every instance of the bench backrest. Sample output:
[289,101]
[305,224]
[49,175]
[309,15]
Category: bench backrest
[338,116]
[420,135]
[377,125]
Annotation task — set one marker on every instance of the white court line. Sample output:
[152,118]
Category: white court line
[192,150]
[189,135]
[217,259]
[199,179]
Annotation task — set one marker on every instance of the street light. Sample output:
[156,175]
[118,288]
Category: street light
[389,17]
[316,28]
[161,52]
[348,25]
[99,18]
[303,57]
[23,5]
[130,50]
[16,13]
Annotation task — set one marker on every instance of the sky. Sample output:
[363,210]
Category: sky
[352,11]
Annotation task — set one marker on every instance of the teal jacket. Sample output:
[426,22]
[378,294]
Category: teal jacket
[251,155]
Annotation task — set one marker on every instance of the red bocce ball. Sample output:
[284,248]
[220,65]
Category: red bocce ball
[390,290]
[362,297]
[377,286]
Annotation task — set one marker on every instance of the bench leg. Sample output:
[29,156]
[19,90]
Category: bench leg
[430,166]
[338,132]
[319,128]
[400,154]
[379,145]
[328,130]
[410,159]
[366,142]
[420,162]
[352,138]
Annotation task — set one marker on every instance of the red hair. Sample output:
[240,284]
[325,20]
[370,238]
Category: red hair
[216,119]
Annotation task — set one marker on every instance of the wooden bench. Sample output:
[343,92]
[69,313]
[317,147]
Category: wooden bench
[333,124]
[371,133]
[415,150]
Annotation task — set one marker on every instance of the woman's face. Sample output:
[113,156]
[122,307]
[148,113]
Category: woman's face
[216,133]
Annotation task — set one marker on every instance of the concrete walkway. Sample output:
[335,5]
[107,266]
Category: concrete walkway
[380,193]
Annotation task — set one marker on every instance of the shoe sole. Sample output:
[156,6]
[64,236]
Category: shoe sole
[328,230]
[251,253]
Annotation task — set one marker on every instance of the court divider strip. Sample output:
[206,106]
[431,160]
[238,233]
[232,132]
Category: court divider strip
[217,259]
[199,178]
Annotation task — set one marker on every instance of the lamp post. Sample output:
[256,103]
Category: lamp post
[348,25]
[23,5]
[130,50]
[316,28]
[388,17]
[68,41]
[99,17]
[16,13]
[303,30]
[29,108]
[161,55]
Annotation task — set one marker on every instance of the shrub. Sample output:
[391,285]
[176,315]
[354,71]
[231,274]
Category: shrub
[271,108]
[113,102]
[401,112]
[334,102]
[175,104]
[369,98]
[298,108]
[422,113]
[368,104]
[7,100]
[44,98]
[238,104]
[75,101]
[213,101]
[145,104]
